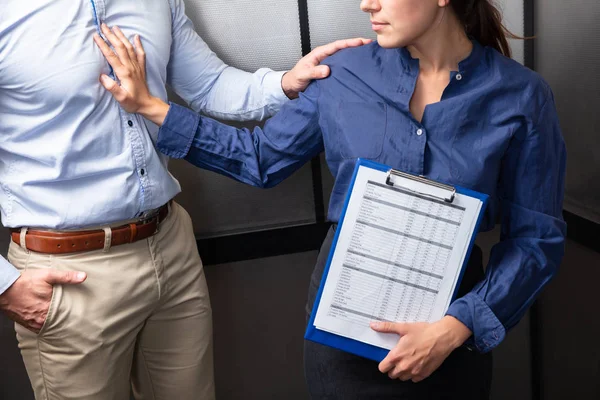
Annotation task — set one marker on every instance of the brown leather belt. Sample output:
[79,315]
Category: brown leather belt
[51,242]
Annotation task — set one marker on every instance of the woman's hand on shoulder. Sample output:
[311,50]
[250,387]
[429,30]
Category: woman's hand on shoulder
[309,67]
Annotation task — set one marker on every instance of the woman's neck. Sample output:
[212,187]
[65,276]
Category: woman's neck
[443,46]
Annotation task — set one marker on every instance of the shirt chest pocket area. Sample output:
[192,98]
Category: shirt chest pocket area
[361,129]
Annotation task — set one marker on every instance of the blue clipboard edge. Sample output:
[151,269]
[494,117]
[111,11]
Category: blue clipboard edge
[354,346]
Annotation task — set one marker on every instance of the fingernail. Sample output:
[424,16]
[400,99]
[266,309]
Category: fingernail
[375,325]
[81,275]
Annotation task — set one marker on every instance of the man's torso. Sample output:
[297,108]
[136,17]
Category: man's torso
[69,155]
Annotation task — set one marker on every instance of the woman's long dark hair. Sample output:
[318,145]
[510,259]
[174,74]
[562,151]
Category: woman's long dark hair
[483,22]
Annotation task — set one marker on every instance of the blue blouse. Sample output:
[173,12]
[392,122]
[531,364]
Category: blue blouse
[495,130]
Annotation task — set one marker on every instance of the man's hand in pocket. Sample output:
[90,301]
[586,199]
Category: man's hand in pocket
[28,299]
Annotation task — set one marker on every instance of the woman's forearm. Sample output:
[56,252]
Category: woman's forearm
[156,111]
[455,330]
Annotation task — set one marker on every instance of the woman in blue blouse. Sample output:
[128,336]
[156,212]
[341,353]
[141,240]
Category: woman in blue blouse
[435,96]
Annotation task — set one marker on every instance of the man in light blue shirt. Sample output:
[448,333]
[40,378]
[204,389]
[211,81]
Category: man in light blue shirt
[84,191]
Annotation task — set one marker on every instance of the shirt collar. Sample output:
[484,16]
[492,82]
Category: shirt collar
[411,65]
[473,59]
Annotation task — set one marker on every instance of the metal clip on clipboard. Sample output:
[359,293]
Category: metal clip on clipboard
[450,189]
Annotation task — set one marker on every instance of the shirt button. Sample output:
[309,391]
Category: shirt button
[419,132]
[142,172]
[458,77]
[130,123]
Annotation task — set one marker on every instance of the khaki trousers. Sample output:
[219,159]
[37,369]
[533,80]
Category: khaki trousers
[141,322]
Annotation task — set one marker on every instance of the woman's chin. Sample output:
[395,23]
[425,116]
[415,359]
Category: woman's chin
[388,42]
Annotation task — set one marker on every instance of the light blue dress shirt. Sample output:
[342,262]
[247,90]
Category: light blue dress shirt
[495,130]
[70,156]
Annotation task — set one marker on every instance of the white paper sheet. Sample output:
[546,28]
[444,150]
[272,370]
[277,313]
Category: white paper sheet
[398,257]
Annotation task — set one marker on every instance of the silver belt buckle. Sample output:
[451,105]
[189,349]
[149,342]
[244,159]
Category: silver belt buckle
[148,216]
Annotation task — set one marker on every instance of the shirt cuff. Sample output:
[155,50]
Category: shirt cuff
[273,92]
[472,311]
[8,275]
[177,132]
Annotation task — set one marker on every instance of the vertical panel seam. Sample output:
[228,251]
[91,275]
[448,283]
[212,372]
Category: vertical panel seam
[317,179]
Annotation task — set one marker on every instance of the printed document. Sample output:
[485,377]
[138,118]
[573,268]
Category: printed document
[398,257]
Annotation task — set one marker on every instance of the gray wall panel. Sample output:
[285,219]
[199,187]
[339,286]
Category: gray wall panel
[567,55]
[219,205]
[249,34]
[259,321]
[513,18]
[332,20]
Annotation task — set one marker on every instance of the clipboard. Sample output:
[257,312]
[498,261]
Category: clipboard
[441,192]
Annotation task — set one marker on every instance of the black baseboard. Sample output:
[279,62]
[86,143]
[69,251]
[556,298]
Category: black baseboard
[296,239]
[268,243]
[582,231]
